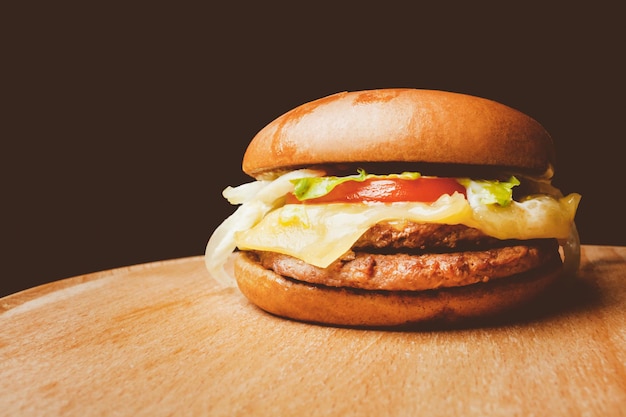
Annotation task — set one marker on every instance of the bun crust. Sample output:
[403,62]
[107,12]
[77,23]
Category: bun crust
[360,308]
[401,125]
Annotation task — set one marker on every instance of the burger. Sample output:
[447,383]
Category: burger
[394,207]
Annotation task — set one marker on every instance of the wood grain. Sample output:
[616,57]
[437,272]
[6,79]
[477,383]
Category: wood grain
[164,339]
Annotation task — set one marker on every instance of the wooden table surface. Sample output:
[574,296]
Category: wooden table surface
[164,339]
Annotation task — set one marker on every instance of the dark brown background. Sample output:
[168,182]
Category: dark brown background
[124,125]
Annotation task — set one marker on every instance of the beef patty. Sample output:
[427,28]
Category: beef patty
[388,257]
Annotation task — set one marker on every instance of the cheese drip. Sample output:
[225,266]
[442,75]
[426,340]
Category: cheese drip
[256,199]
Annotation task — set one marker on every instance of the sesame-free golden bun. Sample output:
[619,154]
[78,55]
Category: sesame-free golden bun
[402,125]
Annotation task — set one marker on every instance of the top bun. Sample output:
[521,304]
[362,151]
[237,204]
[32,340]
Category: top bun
[401,125]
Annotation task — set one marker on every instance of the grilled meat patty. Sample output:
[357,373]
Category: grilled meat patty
[391,258]
[406,234]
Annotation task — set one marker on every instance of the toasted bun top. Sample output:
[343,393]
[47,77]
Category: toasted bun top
[401,125]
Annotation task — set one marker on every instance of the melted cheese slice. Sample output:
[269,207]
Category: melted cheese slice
[256,199]
[320,234]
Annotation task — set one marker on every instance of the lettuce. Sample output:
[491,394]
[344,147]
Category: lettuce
[314,187]
[485,192]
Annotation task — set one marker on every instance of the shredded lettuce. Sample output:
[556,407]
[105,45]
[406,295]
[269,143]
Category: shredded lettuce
[489,192]
[479,191]
[314,187]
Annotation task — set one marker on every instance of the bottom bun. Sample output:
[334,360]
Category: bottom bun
[342,306]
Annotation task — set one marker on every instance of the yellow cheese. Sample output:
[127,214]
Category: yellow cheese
[320,234]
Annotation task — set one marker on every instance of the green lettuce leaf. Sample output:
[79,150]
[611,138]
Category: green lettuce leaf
[478,191]
[314,187]
[490,192]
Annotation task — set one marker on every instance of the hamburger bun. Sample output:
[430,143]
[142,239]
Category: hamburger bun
[402,125]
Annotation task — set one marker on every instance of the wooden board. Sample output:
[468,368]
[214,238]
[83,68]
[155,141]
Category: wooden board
[164,339]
